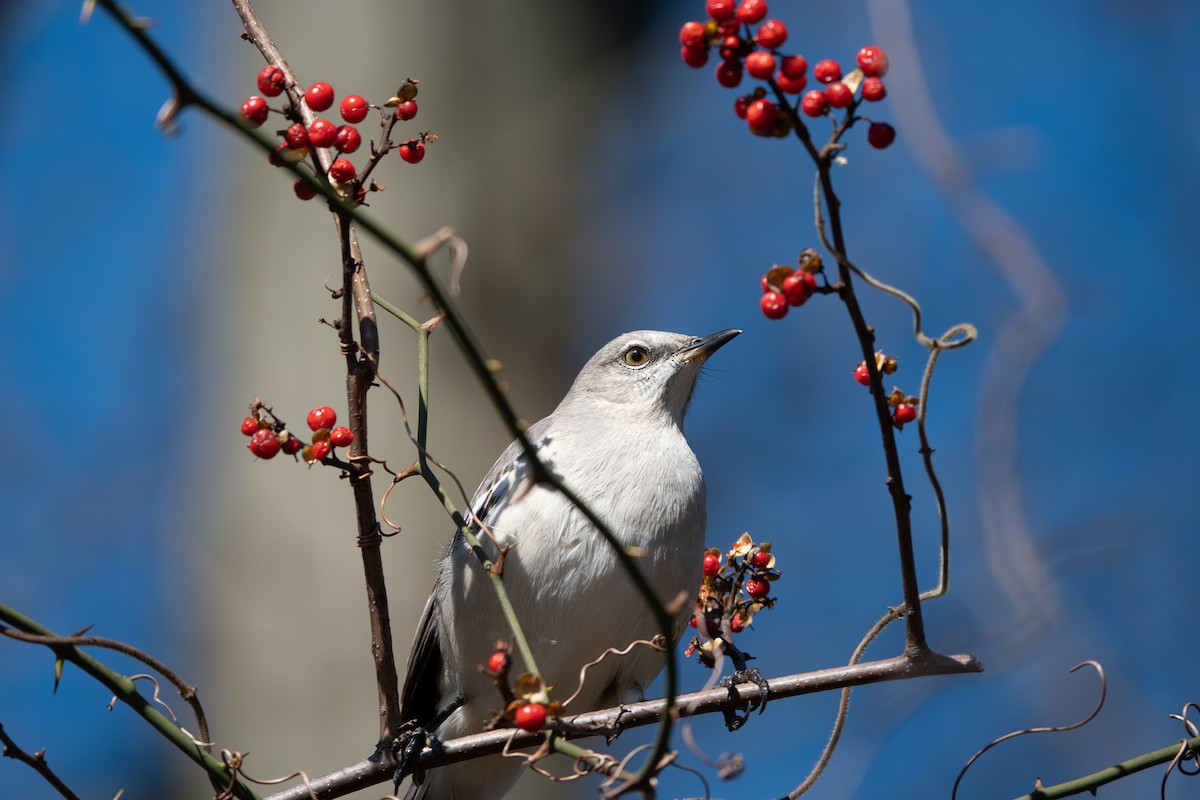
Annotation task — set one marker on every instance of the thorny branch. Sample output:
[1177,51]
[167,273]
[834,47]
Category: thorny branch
[186,690]
[125,690]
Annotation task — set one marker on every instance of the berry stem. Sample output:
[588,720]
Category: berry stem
[914,624]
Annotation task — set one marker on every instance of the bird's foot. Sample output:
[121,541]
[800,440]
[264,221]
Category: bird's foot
[411,739]
[405,746]
[734,720]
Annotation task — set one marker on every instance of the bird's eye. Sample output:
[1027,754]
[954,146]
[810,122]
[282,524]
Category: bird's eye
[637,356]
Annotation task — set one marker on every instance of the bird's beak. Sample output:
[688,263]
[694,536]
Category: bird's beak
[705,347]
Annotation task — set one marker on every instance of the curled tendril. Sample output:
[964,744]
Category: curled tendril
[959,335]
[656,643]
[1056,729]
[235,763]
[1187,761]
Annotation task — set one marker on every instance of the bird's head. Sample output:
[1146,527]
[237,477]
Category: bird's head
[646,372]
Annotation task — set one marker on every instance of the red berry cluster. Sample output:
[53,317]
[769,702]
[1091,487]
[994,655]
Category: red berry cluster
[904,407]
[735,587]
[298,139]
[269,435]
[745,49]
[784,286]
[527,704]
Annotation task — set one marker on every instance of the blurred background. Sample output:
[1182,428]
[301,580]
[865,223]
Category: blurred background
[1042,187]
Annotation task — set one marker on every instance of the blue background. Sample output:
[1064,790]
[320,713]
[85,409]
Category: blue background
[1078,120]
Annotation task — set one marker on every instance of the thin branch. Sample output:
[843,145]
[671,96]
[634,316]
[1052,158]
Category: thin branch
[1090,783]
[37,761]
[360,371]
[614,720]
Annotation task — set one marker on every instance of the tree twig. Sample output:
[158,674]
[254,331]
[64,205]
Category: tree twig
[37,761]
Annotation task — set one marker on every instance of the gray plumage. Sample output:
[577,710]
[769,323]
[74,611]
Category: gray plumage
[616,440]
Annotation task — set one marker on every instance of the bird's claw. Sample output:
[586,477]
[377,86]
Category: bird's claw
[411,739]
[408,743]
[734,720]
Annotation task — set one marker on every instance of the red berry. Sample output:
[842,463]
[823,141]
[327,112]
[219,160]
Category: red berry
[348,139]
[729,27]
[322,133]
[319,96]
[760,560]
[873,89]
[881,135]
[772,34]
[827,71]
[271,80]
[341,436]
[731,48]
[498,663]
[292,445]
[798,287]
[693,34]
[736,624]
[791,85]
[303,190]
[694,57]
[873,61]
[761,114]
[720,9]
[814,103]
[712,564]
[774,305]
[905,412]
[342,170]
[412,152]
[249,426]
[323,417]
[729,73]
[839,95]
[531,716]
[757,589]
[296,136]
[740,105]
[320,450]
[254,111]
[862,374]
[793,66]
[760,64]
[406,110]
[264,443]
[751,11]
[354,108]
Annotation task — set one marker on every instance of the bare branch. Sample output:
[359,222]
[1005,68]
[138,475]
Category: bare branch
[614,720]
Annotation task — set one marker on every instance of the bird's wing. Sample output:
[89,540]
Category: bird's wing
[423,677]
[419,700]
[507,477]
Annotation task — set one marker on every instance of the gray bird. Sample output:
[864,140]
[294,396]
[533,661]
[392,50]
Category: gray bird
[616,440]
